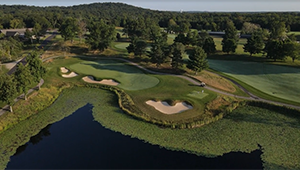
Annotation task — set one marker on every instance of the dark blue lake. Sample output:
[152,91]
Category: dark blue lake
[78,142]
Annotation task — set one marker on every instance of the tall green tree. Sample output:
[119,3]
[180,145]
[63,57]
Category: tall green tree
[35,66]
[157,55]
[81,29]
[177,52]
[69,29]
[275,50]
[180,38]
[16,23]
[278,30]
[209,45]
[23,78]
[137,46]
[230,39]
[160,51]
[8,90]
[255,44]
[197,61]
[292,50]
[101,35]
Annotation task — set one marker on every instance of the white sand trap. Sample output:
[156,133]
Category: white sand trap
[90,79]
[165,108]
[72,74]
[64,70]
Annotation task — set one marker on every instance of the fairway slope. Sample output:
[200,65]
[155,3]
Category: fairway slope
[278,81]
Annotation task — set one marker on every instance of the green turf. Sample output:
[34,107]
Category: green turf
[198,94]
[175,89]
[279,81]
[129,77]
[122,45]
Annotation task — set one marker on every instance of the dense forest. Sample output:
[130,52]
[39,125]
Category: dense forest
[117,13]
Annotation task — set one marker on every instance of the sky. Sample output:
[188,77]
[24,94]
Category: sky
[177,5]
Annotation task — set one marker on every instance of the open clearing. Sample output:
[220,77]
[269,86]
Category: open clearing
[130,77]
[279,81]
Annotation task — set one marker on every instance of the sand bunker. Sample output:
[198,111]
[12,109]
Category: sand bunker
[90,79]
[165,108]
[72,74]
[64,70]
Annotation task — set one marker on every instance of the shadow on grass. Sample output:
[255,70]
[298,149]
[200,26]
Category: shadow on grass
[291,113]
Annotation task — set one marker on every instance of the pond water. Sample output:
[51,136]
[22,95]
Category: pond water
[79,142]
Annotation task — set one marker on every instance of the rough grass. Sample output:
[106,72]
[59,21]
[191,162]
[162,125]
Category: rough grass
[216,81]
[278,81]
[129,77]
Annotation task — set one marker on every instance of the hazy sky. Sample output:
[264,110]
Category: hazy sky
[177,5]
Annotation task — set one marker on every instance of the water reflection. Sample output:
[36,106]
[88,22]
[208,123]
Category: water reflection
[78,142]
[35,139]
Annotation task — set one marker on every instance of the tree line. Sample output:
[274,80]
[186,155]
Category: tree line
[17,16]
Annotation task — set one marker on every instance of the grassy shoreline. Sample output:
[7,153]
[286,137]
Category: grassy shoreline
[242,130]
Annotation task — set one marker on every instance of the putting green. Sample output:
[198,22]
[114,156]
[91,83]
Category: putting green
[278,81]
[129,77]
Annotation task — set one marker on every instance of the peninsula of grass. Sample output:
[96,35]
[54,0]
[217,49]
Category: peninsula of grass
[278,83]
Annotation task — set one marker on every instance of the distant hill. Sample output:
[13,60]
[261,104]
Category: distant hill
[118,13]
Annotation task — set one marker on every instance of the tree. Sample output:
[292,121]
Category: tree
[278,31]
[255,43]
[292,50]
[69,28]
[35,66]
[159,52]
[275,49]
[23,78]
[101,35]
[81,29]
[250,28]
[16,23]
[140,48]
[197,61]
[229,45]
[177,52]
[209,45]
[230,39]
[184,27]
[172,26]
[137,46]
[180,38]
[8,90]
[28,35]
